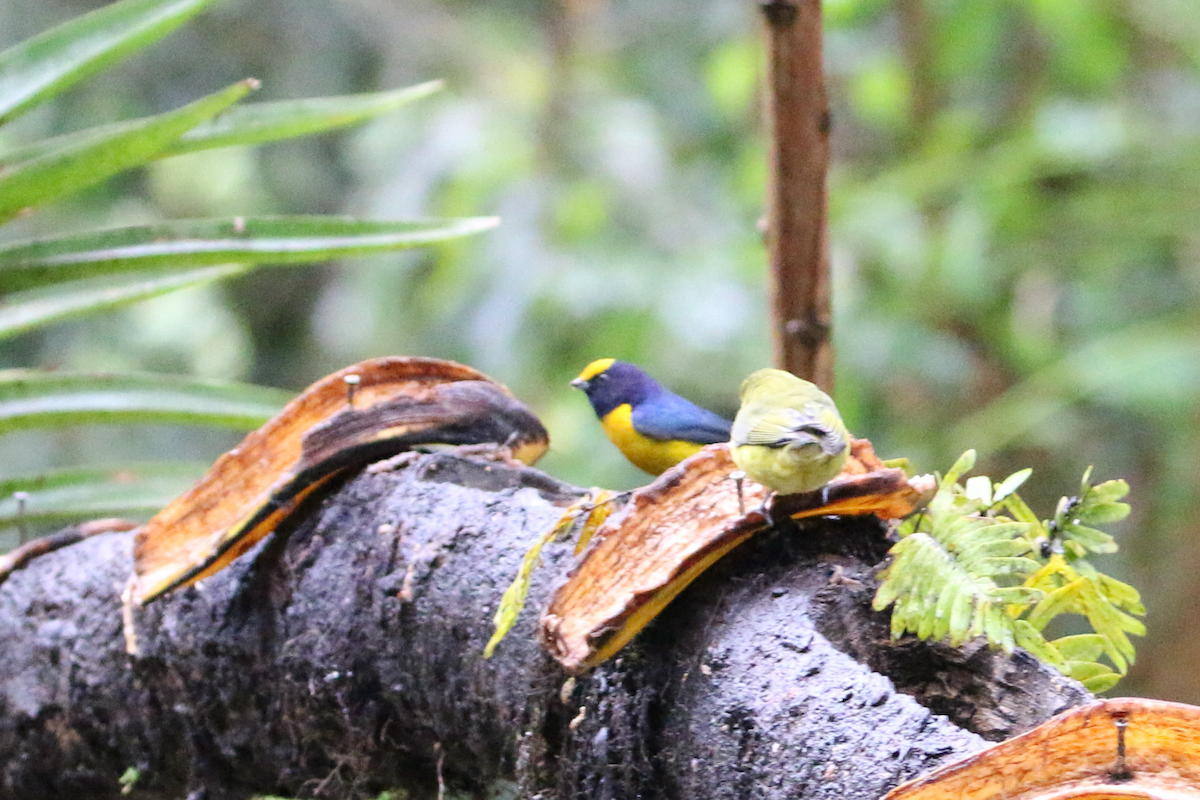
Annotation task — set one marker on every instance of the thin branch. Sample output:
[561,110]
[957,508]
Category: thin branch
[798,122]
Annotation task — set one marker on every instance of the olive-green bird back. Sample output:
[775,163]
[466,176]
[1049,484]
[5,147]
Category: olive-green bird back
[788,434]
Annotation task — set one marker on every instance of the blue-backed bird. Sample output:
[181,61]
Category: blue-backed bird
[652,426]
[788,434]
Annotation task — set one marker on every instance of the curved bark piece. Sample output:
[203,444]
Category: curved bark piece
[1124,747]
[359,414]
[669,532]
[330,663]
[19,557]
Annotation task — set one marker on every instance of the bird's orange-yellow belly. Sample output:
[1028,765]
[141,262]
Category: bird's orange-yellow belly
[652,455]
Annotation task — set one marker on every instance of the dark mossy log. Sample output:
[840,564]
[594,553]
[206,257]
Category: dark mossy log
[344,657]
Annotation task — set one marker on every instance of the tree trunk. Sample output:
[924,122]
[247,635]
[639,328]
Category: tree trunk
[346,658]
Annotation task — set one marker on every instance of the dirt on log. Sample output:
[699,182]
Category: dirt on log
[344,657]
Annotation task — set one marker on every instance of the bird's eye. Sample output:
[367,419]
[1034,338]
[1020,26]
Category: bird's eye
[603,376]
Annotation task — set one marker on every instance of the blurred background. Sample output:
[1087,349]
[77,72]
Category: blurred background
[1014,205]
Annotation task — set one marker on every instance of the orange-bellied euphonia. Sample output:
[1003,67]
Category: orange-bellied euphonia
[653,427]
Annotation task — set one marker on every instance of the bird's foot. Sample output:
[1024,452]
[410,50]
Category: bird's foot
[767,509]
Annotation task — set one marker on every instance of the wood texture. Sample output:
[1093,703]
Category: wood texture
[678,526]
[19,557]
[389,405]
[798,123]
[1121,748]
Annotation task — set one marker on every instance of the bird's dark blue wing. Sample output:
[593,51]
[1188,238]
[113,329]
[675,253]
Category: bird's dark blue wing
[668,416]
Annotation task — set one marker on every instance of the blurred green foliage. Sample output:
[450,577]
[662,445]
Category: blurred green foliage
[48,279]
[1013,209]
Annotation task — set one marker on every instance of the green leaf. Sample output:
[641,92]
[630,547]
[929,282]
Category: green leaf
[1121,594]
[192,243]
[255,124]
[129,779]
[984,537]
[45,65]
[948,492]
[1062,600]
[1082,647]
[960,615]
[63,496]
[1085,483]
[286,119]
[1015,595]
[901,463]
[1012,565]
[1092,539]
[23,311]
[998,628]
[1010,484]
[965,463]
[962,570]
[1100,513]
[513,600]
[943,613]
[1020,510]
[1094,676]
[1084,596]
[1107,492]
[585,515]
[1101,610]
[30,399]
[1101,683]
[91,159]
[979,489]
[1031,639]
[1084,670]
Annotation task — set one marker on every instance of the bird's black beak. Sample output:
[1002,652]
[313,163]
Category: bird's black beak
[580,383]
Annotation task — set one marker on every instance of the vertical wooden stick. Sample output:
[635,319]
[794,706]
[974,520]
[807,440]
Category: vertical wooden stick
[797,240]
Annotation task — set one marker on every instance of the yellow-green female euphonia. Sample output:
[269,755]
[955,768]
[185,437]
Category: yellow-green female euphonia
[653,427]
[788,434]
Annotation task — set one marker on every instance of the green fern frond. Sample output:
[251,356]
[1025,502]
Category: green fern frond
[941,593]
[1094,505]
[978,562]
[1106,603]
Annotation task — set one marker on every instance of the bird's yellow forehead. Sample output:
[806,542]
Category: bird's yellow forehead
[595,368]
